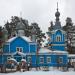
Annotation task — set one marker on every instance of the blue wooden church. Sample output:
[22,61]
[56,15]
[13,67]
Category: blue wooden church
[21,48]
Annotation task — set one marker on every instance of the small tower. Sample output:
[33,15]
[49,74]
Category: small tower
[20,28]
[33,36]
[56,35]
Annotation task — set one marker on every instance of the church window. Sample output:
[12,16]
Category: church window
[48,59]
[58,38]
[41,59]
[19,49]
[60,59]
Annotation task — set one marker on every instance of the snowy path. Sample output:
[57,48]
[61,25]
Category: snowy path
[40,73]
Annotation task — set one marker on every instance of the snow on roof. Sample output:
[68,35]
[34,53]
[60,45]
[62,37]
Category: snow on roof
[62,52]
[71,55]
[26,38]
[13,59]
[11,39]
[20,53]
[23,37]
[44,50]
[23,60]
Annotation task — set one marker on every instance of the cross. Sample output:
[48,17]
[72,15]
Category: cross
[57,6]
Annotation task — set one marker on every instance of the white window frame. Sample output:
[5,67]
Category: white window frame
[58,38]
[49,59]
[29,59]
[61,59]
[40,60]
[19,49]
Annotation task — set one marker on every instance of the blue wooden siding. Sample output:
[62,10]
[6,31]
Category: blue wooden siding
[35,60]
[33,48]
[18,58]
[62,48]
[6,48]
[57,45]
[19,42]
[4,59]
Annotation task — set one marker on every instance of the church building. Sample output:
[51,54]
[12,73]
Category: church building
[21,48]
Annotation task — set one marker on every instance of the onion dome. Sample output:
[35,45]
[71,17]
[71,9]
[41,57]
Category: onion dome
[57,14]
[20,26]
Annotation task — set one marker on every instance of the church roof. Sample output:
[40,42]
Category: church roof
[60,52]
[44,50]
[24,60]
[11,39]
[23,37]
[71,55]
[12,59]
[53,31]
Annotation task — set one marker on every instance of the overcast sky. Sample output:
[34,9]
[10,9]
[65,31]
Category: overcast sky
[40,11]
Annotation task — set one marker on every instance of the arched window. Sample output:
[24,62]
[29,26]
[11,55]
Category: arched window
[58,38]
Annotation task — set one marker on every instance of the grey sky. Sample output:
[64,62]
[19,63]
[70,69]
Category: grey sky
[40,11]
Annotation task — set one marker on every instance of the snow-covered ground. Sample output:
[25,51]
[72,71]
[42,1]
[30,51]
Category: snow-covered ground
[40,73]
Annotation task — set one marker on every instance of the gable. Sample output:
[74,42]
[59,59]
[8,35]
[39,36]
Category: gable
[58,32]
[19,42]
[21,37]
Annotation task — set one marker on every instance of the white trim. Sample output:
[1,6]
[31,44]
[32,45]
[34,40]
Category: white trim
[41,58]
[7,54]
[9,47]
[23,37]
[62,37]
[53,31]
[58,38]
[29,47]
[48,58]
[36,48]
[8,57]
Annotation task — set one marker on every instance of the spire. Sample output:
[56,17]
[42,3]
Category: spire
[57,14]
[57,6]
